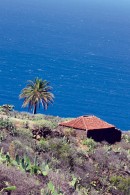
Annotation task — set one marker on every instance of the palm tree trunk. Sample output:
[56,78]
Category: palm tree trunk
[35,109]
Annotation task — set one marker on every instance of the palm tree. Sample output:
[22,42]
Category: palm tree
[36,93]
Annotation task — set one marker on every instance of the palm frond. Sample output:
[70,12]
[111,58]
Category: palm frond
[37,92]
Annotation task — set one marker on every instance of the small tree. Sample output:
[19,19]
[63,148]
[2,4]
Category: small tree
[36,93]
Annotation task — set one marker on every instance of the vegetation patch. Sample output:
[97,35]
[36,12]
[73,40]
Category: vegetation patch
[39,157]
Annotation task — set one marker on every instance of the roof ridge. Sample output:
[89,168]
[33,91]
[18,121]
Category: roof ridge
[76,120]
[84,122]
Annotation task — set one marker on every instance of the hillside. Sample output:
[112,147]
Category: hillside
[38,158]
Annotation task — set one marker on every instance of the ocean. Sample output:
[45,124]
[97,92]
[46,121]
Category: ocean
[81,46]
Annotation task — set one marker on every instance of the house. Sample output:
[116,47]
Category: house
[93,127]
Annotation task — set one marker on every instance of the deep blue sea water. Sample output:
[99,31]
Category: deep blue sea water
[81,46]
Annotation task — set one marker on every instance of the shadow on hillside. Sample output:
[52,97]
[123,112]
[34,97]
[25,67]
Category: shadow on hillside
[110,135]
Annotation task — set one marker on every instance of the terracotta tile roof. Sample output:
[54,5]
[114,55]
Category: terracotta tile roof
[87,123]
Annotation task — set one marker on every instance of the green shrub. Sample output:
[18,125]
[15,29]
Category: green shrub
[90,143]
[8,125]
[24,146]
[50,190]
[42,145]
[2,156]
[59,148]
[24,133]
[4,123]
[44,123]
[3,135]
[121,183]
[69,132]
[18,144]
[6,108]
[50,121]
[126,138]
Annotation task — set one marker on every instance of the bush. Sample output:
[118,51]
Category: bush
[59,147]
[122,184]
[6,108]
[42,146]
[50,189]
[24,133]
[3,136]
[44,123]
[126,137]
[60,180]
[69,132]
[90,143]
[8,125]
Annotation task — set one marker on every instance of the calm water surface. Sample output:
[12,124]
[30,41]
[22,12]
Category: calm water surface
[81,47]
